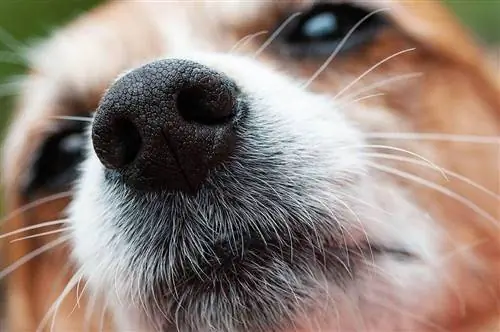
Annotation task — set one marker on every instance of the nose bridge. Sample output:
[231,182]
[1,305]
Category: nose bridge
[187,27]
[166,125]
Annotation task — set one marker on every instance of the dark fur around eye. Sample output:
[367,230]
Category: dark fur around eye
[318,31]
[53,166]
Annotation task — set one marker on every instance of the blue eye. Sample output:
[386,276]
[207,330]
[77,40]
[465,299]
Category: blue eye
[320,26]
[319,30]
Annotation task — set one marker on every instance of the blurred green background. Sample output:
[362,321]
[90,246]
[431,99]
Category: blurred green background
[24,20]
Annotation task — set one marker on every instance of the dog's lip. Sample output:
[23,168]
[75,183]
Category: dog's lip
[360,244]
[396,252]
[226,253]
[230,262]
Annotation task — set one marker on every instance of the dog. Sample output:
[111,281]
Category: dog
[254,166]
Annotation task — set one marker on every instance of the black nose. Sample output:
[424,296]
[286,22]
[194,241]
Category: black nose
[165,125]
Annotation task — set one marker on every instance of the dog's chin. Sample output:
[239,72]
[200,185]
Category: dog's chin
[252,284]
[184,262]
[239,279]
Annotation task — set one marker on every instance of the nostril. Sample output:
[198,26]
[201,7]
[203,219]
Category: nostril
[121,144]
[205,106]
[129,140]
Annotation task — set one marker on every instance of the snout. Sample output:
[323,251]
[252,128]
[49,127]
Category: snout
[165,125]
[264,164]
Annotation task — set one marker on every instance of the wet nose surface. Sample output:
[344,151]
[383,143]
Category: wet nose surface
[165,125]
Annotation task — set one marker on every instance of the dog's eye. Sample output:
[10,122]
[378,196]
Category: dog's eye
[319,31]
[54,165]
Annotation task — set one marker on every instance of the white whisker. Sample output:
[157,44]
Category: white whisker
[380,83]
[41,234]
[351,102]
[393,148]
[36,203]
[438,188]
[340,45]
[372,68]
[90,307]
[275,34]
[57,303]
[370,205]
[35,253]
[72,118]
[28,228]
[79,295]
[461,250]
[63,273]
[446,171]
[362,228]
[245,40]
[457,138]
[103,315]
[367,97]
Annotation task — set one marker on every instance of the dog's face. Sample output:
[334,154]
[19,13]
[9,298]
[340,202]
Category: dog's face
[268,166]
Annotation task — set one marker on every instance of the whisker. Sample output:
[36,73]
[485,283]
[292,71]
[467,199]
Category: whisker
[358,219]
[77,298]
[376,268]
[380,83]
[340,45]
[372,68]
[245,40]
[41,234]
[446,171]
[365,203]
[275,34]
[79,295]
[57,303]
[438,188]
[90,307]
[436,137]
[351,102]
[72,118]
[40,225]
[369,96]
[393,148]
[103,315]
[59,279]
[461,250]
[35,253]
[38,202]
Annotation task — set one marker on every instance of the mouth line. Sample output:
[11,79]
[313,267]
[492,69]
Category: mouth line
[227,255]
[397,253]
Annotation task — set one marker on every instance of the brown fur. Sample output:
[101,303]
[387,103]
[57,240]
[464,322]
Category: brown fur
[457,94]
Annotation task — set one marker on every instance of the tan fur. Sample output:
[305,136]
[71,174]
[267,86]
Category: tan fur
[457,95]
